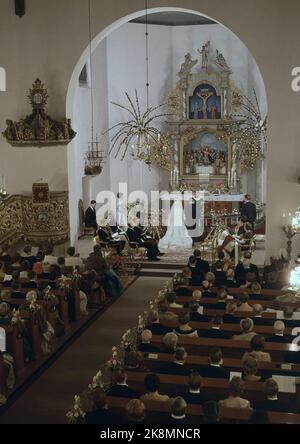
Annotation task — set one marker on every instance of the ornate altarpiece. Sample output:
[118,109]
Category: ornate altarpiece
[204,155]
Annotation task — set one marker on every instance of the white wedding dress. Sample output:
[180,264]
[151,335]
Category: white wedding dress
[177,235]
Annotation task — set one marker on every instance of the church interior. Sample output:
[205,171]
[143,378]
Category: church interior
[149,212]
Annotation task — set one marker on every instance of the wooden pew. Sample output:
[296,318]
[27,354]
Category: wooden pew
[14,346]
[34,333]
[266,369]
[185,300]
[230,348]
[237,291]
[231,329]
[195,412]
[216,389]
[2,376]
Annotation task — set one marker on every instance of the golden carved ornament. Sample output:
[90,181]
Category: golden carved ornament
[38,128]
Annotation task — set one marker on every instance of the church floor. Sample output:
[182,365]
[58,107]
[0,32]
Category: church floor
[50,396]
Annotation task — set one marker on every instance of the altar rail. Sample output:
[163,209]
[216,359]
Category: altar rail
[35,223]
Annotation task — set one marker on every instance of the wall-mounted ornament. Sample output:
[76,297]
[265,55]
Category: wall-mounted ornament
[38,129]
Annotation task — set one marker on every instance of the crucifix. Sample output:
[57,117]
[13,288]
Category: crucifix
[205,96]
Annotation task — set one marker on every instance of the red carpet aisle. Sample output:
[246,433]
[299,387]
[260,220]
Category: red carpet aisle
[47,400]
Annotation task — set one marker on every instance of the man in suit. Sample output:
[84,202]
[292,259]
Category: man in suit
[206,292]
[246,267]
[31,281]
[258,318]
[195,316]
[155,326]
[177,367]
[90,219]
[220,276]
[135,235]
[178,412]
[221,302]
[278,336]
[228,317]
[248,210]
[272,402]
[194,395]
[120,387]
[229,282]
[256,292]
[201,266]
[214,369]
[101,414]
[214,331]
[146,346]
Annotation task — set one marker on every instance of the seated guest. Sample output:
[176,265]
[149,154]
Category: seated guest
[16,262]
[105,236]
[243,303]
[229,282]
[171,298]
[206,291]
[221,302]
[152,384]
[178,412]
[257,345]
[163,312]
[38,265]
[278,336]
[215,330]
[135,235]
[247,330]
[135,412]
[133,361]
[196,296]
[250,368]
[256,291]
[221,258]
[49,257]
[170,341]
[194,395]
[31,281]
[211,413]
[229,317]
[220,276]
[61,262]
[5,311]
[100,413]
[195,315]
[184,328]
[288,316]
[145,345]
[210,277]
[15,291]
[155,326]
[73,260]
[24,269]
[234,400]
[215,369]
[245,266]
[120,387]
[272,402]
[28,256]
[177,367]
[196,278]
[271,282]
[183,288]
[202,266]
[257,314]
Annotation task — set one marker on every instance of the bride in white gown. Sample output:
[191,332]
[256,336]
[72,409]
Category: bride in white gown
[177,235]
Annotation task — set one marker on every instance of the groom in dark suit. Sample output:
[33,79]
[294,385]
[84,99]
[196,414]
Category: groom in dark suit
[90,216]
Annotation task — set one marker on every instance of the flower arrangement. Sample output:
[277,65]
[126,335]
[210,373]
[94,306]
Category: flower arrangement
[97,381]
[76,415]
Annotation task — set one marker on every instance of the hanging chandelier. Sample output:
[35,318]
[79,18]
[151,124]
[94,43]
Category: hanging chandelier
[139,136]
[95,156]
[248,132]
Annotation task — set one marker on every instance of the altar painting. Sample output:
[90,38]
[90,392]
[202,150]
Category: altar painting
[204,154]
[205,103]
